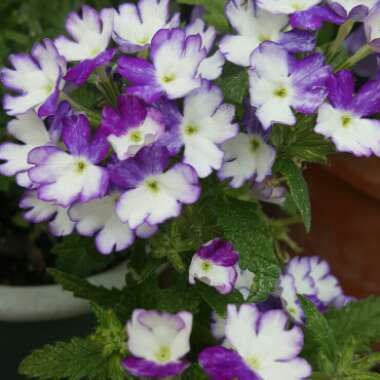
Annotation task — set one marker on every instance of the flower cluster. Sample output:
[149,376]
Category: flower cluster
[122,172]
[160,125]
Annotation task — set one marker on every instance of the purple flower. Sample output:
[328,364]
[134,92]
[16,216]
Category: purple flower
[279,82]
[248,155]
[174,71]
[29,129]
[65,177]
[131,126]
[98,217]
[153,195]
[38,211]
[354,9]
[256,25]
[345,119]
[136,24]
[215,265]
[37,78]
[91,35]
[265,192]
[260,346]
[158,342]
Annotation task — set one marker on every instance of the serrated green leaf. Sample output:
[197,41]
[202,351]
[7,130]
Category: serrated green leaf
[214,12]
[320,347]
[77,255]
[218,302]
[107,298]
[244,225]
[358,320]
[233,83]
[74,360]
[298,188]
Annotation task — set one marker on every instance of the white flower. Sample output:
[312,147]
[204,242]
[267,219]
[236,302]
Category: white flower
[247,156]
[29,129]
[39,211]
[91,34]
[136,24]
[206,123]
[253,28]
[286,6]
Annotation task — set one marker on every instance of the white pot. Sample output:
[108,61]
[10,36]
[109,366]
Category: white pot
[51,302]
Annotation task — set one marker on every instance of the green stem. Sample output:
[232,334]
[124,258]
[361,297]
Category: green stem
[362,53]
[93,116]
[107,86]
[343,32]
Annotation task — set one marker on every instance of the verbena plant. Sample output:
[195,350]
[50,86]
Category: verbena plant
[165,135]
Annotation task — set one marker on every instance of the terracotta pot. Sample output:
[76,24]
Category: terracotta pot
[345,198]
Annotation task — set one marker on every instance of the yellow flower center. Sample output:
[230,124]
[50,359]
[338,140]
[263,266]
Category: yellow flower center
[346,120]
[253,362]
[281,92]
[206,266]
[163,354]
[153,185]
[136,136]
[255,144]
[264,37]
[168,78]
[80,166]
[191,129]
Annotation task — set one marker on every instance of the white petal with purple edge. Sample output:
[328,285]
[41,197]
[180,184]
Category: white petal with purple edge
[206,123]
[349,5]
[136,25]
[91,34]
[127,145]
[253,28]
[99,217]
[159,197]
[247,156]
[288,294]
[349,132]
[39,211]
[211,67]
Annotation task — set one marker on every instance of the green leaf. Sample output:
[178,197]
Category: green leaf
[368,362]
[78,255]
[74,360]
[107,298]
[233,83]
[214,12]
[358,320]
[320,346]
[298,188]
[218,302]
[244,225]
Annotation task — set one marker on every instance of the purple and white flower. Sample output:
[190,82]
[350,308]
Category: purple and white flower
[206,123]
[38,211]
[345,119]
[91,34]
[30,130]
[248,155]
[98,217]
[158,342]
[352,8]
[174,71]
[286,7]
[136,24]
[244,282]
[312,278]
[215,265]
[260,347]
[280,83]
[152,194]
[256,25]
[269,193]
[211,67]
[65,177]
[131,126]
[37,78]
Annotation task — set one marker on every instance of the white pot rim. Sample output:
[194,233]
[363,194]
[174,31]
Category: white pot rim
[51,302]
